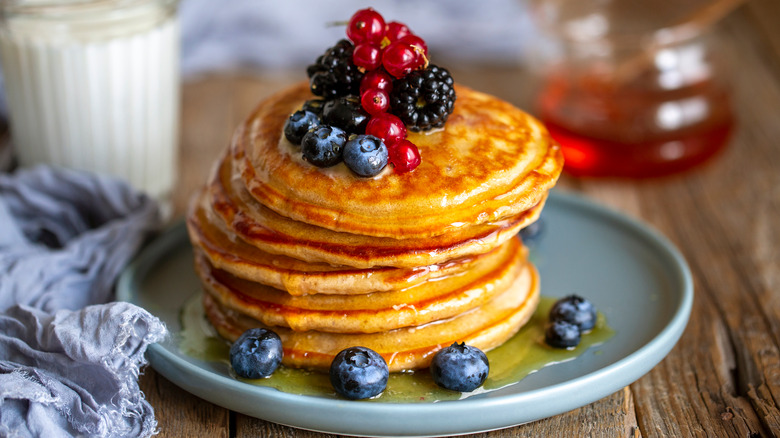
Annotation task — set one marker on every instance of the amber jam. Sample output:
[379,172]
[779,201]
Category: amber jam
[636,129]
[520,356]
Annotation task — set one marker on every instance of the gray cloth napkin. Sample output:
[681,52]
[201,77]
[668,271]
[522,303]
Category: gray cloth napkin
[70,358]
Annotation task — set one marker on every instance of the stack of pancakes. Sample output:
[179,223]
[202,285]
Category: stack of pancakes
[404,264]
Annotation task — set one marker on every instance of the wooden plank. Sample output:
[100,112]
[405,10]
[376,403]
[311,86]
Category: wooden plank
[179,413]
[212,108]
[721,379]
[207,122]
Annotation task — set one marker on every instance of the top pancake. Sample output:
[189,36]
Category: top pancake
[490,162]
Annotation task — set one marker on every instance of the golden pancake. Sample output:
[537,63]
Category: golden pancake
[402,263]
[490,162]
[227,252]
[275,234]
[368,313]
[485,327]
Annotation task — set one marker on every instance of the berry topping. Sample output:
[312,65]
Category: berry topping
[365,155]
[423,99]
[376,80]
[380,73]
[399,59]
[460,367]
[375,101]
[345,113]
[299,124]
[404,156]
[323,146]
[395,31]
[387,127]
[562,334]
[256,353]
[334,74]
[314,106]
[575,310]
[358,373]
[367,56]
[366,25]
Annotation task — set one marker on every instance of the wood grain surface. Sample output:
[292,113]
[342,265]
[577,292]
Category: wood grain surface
[723,377]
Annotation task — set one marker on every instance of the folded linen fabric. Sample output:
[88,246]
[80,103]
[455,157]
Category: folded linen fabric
[70,358]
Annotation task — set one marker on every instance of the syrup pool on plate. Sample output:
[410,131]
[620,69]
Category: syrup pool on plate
[520,356]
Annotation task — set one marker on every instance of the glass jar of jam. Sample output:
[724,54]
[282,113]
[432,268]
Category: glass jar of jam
[632,88]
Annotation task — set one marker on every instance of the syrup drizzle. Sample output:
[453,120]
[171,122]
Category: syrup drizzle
[523,354]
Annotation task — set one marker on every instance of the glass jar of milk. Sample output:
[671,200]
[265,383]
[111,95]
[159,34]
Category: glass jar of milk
[94,85]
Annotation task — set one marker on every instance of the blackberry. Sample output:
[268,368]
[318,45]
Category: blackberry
[424,99]
[334,74]
[314,106]
[345,113]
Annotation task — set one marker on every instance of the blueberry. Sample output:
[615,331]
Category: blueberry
[365,155]
[359,372]
[562,334]
[576,310]
[323,146]
[460,367]
[314,106]
[299,123]
[531,233]
[346,113]
[256,353]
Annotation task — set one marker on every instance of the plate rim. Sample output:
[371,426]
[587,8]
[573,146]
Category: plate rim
[632,366]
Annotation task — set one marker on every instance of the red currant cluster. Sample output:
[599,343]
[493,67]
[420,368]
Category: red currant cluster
[386,51]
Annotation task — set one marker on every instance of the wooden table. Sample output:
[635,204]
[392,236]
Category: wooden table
[723,377]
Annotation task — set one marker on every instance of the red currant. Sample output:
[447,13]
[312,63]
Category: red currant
[367,56]
[388,127]
[420,50]
[376,79]
[404,156]
[399,59]
[375,101]
[366,25]
[415,41]
[395,31]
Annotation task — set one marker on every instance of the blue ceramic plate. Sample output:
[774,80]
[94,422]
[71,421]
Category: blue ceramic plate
[631,273]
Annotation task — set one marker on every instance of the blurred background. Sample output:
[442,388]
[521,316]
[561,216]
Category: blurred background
[272,34]
[60,81]
[630,89]
[245,35]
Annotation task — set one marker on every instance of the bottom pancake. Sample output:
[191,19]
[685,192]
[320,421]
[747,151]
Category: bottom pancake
[485,327]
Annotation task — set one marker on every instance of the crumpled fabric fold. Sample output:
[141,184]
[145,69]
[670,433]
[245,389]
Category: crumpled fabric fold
[69,356]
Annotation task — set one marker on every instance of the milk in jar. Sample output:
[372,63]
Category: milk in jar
[94,85]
